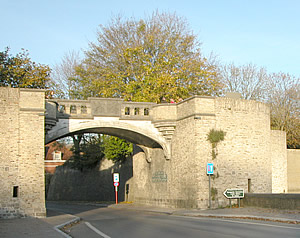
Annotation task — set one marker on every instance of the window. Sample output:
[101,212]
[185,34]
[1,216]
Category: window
[127,111]
[56,155]
[61,108]
[136,111]
[83,110]
[73,109]
[249,185]
[146,112]
[15,191]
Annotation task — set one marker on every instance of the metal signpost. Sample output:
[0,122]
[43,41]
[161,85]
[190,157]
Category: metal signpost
[116,184]
[209,171]
[237,193]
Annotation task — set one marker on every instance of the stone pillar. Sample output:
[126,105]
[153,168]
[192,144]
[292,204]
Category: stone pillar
[22,188]
[279,161]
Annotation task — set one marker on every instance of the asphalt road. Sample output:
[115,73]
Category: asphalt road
[114,222]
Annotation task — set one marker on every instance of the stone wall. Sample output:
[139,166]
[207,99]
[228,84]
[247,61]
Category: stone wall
[150,182]
[277,201]
[22,153]
[90,185]
[251,157]
[244,159]
[293,171]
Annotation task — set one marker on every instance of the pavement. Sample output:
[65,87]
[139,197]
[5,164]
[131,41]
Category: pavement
[49,227]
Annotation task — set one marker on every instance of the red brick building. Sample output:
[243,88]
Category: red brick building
[56,154]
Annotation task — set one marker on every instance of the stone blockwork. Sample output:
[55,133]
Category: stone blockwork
[272,200]
[90,184]
[279,162]
[293,170]
[168,169]
[251,157]
[22,153]
[150,182]
[244,159]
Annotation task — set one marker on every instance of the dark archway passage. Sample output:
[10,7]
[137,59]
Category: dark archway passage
[96,184]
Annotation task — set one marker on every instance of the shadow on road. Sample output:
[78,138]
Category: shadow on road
[55,208]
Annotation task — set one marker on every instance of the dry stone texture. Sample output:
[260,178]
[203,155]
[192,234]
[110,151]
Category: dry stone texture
[22,153]
[251,157]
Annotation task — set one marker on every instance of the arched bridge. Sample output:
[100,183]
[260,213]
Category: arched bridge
[141,123]
[249,147]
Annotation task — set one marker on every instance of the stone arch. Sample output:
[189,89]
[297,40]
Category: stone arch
[143,134]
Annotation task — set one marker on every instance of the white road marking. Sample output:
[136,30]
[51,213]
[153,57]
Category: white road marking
[96,230]
[241,222]
[58,227]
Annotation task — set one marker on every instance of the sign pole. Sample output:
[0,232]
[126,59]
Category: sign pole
[116,179]
[209,191]
[116,189]
[209,171]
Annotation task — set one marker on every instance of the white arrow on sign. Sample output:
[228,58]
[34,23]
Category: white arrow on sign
[234,193]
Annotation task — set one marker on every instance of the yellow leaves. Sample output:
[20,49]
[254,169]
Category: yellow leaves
[20,71]
[147,59]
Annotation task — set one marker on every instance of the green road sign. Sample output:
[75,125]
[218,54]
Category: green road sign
[234,193]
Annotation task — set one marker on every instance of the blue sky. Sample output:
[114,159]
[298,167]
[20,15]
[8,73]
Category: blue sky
[262,32]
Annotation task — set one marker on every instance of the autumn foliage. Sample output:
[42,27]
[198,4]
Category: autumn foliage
[146,59]
[20,72]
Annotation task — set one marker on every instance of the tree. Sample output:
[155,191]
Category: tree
[116,149]
[63,76]
[20,72]
[87,150]
[146,59]
[284,99]
[249,80]
[281,91]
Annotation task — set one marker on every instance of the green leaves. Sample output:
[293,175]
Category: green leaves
[20,71]
[214,137]
[116,149]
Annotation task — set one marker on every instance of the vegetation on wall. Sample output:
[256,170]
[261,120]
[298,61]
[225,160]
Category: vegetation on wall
[214,137]
[214,193]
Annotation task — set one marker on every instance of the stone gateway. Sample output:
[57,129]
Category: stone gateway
[169,169]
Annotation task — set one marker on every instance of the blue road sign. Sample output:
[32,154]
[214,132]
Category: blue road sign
[210,168]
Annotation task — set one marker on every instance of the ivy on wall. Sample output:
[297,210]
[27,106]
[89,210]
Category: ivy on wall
[214,137]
